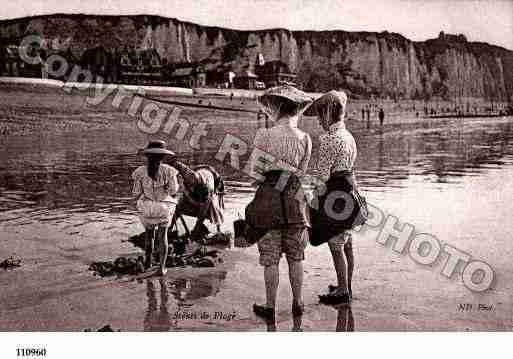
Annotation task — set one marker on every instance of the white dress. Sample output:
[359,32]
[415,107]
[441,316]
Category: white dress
[157,202]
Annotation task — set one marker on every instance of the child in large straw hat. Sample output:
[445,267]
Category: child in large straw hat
[277,216]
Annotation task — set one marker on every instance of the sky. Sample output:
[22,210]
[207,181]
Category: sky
[480,20]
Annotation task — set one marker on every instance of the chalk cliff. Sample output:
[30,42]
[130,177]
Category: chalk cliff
[383,64]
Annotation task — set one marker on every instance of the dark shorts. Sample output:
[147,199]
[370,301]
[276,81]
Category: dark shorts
[291,241]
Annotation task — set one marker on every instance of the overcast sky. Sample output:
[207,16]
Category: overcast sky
[480,20]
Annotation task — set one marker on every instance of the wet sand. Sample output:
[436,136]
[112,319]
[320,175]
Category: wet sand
[54,291]
[412,170]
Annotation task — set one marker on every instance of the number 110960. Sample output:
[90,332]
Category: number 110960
[31,352]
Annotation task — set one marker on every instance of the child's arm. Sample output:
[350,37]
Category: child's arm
[188,175]
[258,165]
[173,184]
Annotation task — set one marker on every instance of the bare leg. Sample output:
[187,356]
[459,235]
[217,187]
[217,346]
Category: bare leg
[163,246]
[345,320]
[342,319]
[350,321]
[339,261]
[297,322]
[149,247]
[272,279]
[348,251]
[296,281]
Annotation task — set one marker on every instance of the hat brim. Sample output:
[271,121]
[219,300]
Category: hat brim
[286,92]
[157,151]
[271,103]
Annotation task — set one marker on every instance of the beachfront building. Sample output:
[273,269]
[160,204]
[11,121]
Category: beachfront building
[11,64]
[227,79]
[220,76]
[57,64]
[100,62]
[275,73]
[11,61]
[142,66]
[246,80]
[191,75]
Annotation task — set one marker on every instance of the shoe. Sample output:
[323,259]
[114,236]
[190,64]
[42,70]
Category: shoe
[332,288]
[334,299]
[264,312]
[298,309]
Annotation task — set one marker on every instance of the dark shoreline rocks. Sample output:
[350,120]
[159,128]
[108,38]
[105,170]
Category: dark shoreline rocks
[204,256]
[10,263]
[201,258]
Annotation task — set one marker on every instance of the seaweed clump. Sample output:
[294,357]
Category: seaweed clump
[10,263]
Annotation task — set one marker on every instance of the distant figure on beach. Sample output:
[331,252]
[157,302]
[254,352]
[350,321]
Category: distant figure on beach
[156,185]
[363,114]
[275,217]
[337,156]
[381,116]
[368,114]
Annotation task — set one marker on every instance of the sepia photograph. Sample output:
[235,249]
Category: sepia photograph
[255,166]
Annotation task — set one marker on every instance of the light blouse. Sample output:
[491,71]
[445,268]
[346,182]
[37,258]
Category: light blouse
[162,189]
[285,148]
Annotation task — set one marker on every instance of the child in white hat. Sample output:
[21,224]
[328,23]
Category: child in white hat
[156,185]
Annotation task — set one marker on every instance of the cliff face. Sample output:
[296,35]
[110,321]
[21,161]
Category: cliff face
[383,64]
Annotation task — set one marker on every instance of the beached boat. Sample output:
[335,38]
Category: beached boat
[237,93]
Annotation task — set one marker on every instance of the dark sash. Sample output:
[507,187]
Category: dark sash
[339,209]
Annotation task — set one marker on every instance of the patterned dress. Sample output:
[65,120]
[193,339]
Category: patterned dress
[337,152]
